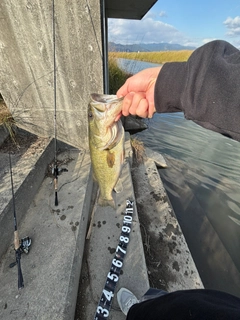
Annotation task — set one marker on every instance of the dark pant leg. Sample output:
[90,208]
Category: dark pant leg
[188,305]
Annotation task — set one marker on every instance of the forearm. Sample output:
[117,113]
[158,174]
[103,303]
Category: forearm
[206,88]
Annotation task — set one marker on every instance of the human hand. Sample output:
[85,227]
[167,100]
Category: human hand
[138,92]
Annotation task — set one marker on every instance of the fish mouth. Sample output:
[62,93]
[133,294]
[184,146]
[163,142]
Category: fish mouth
[105,98]
[105,108]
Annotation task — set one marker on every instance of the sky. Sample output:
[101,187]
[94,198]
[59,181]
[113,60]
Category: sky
[185,22]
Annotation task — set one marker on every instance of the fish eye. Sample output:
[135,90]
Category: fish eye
[90,114]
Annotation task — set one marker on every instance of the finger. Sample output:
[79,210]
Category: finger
[118,116]
[142,110]
[150,98]
[124,90]
[151,110]
[137,97]
[121,92]
[127,101]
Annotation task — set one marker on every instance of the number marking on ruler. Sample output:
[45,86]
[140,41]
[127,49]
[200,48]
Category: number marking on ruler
[107,295]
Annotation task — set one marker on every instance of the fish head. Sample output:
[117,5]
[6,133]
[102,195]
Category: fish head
[104,109]
[102,112]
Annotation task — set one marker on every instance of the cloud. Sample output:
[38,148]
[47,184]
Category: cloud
[162,14]
[152,30]
[150,14]
[206,40]
[233,26]
[236,43]
[146,30]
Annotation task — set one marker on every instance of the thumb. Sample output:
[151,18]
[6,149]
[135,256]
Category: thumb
[121,92]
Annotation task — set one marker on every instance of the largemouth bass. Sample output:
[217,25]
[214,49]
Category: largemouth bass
[106,143]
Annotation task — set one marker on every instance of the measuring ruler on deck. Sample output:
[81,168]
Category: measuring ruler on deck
[107,295]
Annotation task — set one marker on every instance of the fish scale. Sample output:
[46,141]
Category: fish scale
[106,144]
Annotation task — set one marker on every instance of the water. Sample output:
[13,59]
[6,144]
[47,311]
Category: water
[203,185]
[133,66]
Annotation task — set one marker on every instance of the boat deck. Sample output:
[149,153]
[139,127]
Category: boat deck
[64,269]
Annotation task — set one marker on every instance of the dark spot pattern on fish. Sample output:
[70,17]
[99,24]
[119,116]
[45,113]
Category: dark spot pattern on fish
[63,217]
[106,144]
[110,159]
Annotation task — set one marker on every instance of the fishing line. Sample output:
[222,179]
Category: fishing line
[55,168]
[54,80]
[18,99]
[94,30]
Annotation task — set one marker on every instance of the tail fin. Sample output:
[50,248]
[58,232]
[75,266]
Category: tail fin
[106,202]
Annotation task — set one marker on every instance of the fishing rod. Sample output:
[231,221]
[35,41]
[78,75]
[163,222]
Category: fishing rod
[16,237]
[55,168]
[19,246]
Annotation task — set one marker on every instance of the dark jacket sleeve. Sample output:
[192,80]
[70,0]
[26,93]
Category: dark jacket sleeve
[206,88]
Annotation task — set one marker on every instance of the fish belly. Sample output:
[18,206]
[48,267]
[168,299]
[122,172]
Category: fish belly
[107,165]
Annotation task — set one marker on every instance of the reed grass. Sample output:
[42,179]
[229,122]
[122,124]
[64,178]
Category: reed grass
[7,120]
[117,77]
[138,149]
[154,57]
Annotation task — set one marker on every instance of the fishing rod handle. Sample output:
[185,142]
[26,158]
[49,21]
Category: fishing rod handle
[56,183]
[20,276]
[56,199]
[16,240]
[56,187]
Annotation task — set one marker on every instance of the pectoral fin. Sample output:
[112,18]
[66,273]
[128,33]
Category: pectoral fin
[118,187]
